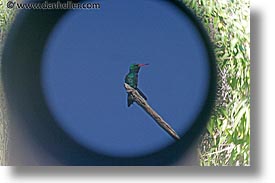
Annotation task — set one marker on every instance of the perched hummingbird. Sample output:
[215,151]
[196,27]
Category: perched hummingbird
[132,80]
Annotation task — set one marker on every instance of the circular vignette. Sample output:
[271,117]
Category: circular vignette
[22,85]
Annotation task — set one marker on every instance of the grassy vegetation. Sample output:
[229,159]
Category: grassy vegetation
[6,17]
[227,140]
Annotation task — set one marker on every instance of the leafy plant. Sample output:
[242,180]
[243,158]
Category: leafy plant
[6,17]
[227,140]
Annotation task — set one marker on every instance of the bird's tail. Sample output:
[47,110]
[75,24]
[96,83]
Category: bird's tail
[130,100]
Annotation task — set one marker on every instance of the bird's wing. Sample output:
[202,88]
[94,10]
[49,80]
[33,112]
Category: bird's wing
[131,79]
[142,94]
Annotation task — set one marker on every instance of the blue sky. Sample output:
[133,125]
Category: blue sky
[88,56]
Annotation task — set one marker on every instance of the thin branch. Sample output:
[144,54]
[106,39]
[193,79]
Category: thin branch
[143,103]
[220,151]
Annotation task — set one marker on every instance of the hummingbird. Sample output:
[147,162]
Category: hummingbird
[132,80]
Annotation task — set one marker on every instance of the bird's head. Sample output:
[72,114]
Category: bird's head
[136,67]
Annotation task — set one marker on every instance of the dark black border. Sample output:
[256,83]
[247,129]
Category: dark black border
[22,85]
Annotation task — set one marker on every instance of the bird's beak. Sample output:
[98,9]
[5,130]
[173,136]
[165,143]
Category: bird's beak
[141,65]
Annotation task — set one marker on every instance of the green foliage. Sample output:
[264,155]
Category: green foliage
[6,17]
[227,140]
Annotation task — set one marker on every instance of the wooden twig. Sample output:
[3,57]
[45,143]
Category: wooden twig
[143,103]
